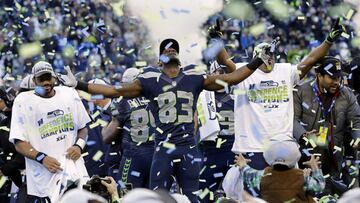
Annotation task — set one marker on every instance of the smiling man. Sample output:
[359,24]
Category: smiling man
[48,128]
[324,109]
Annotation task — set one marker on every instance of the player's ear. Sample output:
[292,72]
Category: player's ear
[160,64]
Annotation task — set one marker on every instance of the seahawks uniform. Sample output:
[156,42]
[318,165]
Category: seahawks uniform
[137,142]
[173,103]
[217,155]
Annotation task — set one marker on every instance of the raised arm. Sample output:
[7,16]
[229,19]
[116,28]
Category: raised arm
[223,58]
[217,82]
[319,52]
[130,90]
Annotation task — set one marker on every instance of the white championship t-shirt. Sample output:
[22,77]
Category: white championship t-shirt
[50,125]
[264,107]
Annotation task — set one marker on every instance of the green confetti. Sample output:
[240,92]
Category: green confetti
[257,29]
[30,49]
[97,155]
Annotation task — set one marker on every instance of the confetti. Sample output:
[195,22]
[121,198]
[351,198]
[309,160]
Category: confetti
[97,155]
[301,17]
[135,173]
[159,130]
[349,14]
[305,105]
[219,142]
[169,145]
[102,122]
[94,125]
[140,63]
[218,175]
[257,29]
[312,143]
[345,35]
[5,128]
[97,97]
[30,49]
[204,193]
[84,154]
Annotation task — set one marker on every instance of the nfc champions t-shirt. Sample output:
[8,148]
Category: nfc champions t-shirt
[50,125]
[264,107]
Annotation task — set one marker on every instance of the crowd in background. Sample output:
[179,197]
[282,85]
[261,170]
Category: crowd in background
[89,36]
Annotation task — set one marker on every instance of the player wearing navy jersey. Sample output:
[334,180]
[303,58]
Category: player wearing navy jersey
[137,134]
[217,154]
[173,92]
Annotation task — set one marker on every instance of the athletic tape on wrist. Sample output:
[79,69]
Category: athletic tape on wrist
[81,143]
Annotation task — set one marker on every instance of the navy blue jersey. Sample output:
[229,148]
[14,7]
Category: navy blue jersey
[225,109]
[173,102]
[137,126]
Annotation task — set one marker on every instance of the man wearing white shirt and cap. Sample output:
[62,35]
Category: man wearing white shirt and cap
[48,127]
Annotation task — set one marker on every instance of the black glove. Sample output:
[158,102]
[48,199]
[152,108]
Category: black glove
[335,31]
[214,30]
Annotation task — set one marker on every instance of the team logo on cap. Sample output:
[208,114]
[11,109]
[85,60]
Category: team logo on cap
[338,65]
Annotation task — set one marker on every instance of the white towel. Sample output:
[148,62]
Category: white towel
[209,124]
[233,184]
[73,172]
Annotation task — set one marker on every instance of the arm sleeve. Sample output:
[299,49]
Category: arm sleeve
[315,183]
[298,128]
[18,121]
[252,177]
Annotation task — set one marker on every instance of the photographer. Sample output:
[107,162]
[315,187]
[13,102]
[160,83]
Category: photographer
[103,187]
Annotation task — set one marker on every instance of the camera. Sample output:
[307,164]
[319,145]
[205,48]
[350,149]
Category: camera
[94,186]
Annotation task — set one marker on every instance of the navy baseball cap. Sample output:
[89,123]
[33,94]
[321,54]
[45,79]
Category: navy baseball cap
[169,43]
[330,66]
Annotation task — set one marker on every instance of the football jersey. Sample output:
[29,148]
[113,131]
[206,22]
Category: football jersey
[225,113]
[137,124]
[173,102]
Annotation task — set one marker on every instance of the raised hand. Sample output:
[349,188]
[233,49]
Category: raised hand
[215,30]
[68,79]
[313,163]
[335,31]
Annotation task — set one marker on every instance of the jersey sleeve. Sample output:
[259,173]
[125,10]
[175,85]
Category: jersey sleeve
[82,115]
[147,79]
[18,121]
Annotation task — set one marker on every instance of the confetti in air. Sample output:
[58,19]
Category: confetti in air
[180,19]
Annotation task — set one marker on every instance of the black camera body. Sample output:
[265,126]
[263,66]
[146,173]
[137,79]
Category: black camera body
[94,186]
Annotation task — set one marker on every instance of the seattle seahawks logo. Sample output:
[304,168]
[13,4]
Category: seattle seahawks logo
[55,113]
[268,83]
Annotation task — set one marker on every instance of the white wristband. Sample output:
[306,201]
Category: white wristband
[81,143]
